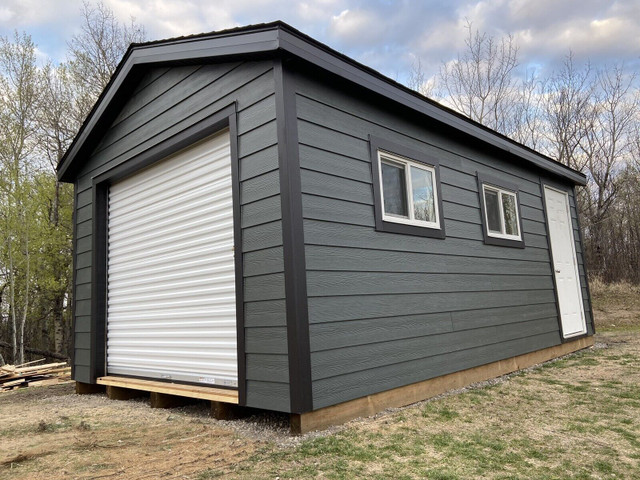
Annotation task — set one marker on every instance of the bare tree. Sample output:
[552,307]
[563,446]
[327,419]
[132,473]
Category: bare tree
[525,123]
[95,53]
[480,81]
[19,93]
[419,82]
[567,101]
[59,120]
[607,148]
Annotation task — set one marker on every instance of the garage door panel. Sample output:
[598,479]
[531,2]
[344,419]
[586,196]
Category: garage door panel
[211,161]
[216,254]
[143,333]
[181,273]
[191,198]
[178,208]
[128,296]
[174,221]
[180,279]
[168,253]
[171,278]
[185,315]
[176,305]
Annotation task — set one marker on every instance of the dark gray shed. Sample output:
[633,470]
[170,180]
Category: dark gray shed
[261,220]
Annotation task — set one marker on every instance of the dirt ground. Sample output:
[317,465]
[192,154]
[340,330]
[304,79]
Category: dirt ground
[522,422]
[52,433]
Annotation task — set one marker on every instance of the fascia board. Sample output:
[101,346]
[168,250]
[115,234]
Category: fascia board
[328,61]
[192,49]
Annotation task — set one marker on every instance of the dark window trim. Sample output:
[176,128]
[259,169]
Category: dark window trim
[224,118]
[484,179]
[377,144]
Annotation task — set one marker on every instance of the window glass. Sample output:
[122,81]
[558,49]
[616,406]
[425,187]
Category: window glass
[492,206]
[423,198]
[394,190]
[510,214]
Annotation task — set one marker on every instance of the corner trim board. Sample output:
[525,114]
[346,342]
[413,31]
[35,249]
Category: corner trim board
[74,261]
[299,352]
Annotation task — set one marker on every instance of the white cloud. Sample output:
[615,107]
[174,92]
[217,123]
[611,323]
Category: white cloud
[18,14]
[380,33]
[358,27]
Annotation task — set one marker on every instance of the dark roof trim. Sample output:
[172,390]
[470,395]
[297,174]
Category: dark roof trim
[280,36]
[250,40]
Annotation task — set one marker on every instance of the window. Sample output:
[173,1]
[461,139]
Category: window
[407,197]
[407,191]
[500,212]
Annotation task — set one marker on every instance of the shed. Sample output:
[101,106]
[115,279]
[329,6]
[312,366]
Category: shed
[263,221]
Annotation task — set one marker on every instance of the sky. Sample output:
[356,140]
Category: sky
[389,36]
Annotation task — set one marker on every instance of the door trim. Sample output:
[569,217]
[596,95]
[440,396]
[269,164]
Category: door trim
[222,119]
[563,338]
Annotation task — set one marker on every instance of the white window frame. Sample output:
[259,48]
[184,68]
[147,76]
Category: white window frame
[503,226]
[391,158]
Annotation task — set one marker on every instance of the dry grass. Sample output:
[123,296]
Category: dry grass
[615,305]
[574,418]
[51,433]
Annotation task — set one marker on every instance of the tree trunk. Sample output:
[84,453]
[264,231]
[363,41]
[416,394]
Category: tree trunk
[23,320]
[12,305]
[58,320]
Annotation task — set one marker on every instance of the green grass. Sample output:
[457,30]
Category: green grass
[575,418]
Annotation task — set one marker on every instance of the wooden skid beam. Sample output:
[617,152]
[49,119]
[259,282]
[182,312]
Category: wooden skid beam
[228,411]
[120,393]
[163,400]
[399,397]
[181,390]
[88,388]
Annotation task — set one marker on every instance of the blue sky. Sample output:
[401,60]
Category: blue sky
[384,34]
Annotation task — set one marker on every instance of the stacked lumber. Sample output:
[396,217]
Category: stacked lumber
[31,375]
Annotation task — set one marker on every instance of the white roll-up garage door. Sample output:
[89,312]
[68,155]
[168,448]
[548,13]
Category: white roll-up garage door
[171,281]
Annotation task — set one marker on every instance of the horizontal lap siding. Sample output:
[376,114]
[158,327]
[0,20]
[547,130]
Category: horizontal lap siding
[165,102]
[387,309]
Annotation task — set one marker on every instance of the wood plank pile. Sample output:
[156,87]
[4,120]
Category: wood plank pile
[31,375]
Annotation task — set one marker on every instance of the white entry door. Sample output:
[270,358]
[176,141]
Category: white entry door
[565,263]
[171,280]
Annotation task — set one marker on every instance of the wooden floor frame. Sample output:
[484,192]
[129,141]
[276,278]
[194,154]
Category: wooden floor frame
[416,392]
[371,404]
[182,390]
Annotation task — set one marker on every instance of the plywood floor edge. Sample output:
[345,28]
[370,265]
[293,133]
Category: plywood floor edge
[193,391]
[415,392]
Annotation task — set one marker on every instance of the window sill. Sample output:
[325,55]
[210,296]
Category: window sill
[503,242]
[406,229]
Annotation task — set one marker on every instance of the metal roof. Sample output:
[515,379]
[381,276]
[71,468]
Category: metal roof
[274,38]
